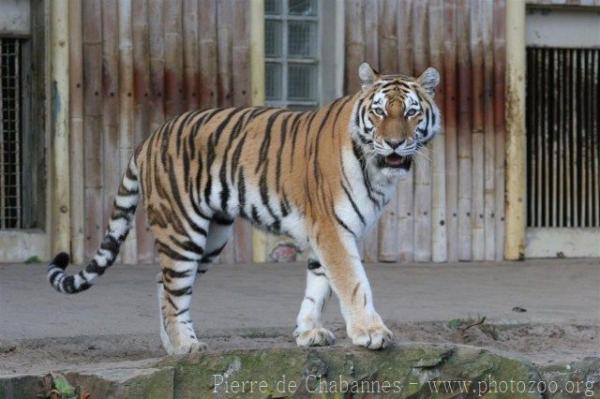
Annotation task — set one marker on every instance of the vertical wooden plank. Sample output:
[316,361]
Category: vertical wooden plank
[372,10]
[477,140]
[59,61]
[111,168]
[355,43]
[355,54]
[173,21]
[157,62]
[257,84]
[224,46]
[464,131]
[76,135]
[439,249]
[142,114]
[422,167]
[489,135]
[515,128]
[157,66]
[208,53]
[388,59]
[241,97]
[225,84]
[371,55]
[92,72]
[191,63]
[449,114]
[129,248]
[405,190]
[499,116]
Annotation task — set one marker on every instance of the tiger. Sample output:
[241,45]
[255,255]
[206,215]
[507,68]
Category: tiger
[320,177]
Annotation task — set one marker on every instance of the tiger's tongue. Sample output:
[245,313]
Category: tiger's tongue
[394,160]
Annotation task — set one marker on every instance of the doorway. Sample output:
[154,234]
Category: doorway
[563,133]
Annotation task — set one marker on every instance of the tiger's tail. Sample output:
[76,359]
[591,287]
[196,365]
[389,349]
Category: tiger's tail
[124,207]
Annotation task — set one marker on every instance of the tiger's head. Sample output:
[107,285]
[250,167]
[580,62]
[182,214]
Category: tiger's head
[395,116]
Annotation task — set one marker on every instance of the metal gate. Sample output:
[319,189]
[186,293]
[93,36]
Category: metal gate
[563,152]
[10,135]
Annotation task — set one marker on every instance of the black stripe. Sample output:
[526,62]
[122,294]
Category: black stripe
[179,202]
[179,292]
[213,253]
[171,273]
[170,253]
[341,223]
[354,206]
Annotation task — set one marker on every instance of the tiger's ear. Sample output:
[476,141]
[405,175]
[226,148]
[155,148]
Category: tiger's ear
[367,75]
[429,80]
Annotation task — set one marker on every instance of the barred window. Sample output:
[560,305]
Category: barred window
[292,52]
[10,128]
[22,115]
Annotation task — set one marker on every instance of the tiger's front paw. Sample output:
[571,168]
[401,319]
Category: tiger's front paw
[315,337]
[372,336]
[187,346]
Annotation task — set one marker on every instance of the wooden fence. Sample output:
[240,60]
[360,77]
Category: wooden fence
[134,63]
[451,206]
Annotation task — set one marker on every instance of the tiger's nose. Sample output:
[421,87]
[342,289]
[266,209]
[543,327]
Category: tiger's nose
[395,143]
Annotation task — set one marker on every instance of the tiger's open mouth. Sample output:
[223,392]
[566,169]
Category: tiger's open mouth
[396,161]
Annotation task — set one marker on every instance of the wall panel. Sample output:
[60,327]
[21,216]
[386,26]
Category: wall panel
[450,207]
[186,54]
[142,61]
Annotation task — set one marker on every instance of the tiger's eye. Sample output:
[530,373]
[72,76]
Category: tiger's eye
[379,112]
[411,112]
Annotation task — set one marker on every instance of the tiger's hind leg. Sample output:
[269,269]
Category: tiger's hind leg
[179,259]
[219,232]
[309,330]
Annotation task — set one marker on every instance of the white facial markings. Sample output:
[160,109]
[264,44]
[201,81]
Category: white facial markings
[379,104]
[411,104]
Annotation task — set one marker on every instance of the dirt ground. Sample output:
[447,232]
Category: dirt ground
[545,311]
[542,344]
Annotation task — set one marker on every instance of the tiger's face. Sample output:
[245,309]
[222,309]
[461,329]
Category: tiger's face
[396,116]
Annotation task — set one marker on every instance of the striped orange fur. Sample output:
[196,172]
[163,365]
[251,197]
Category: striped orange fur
[320,177]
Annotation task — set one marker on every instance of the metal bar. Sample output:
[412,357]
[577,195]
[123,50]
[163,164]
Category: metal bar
[2,138]
[567,134]
[595,128]
[539,136]
[560,139]
[582,137]
[17,132]
[554,136]
[575,132]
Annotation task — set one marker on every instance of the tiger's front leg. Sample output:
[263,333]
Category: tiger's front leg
[338,253]
[309,329]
